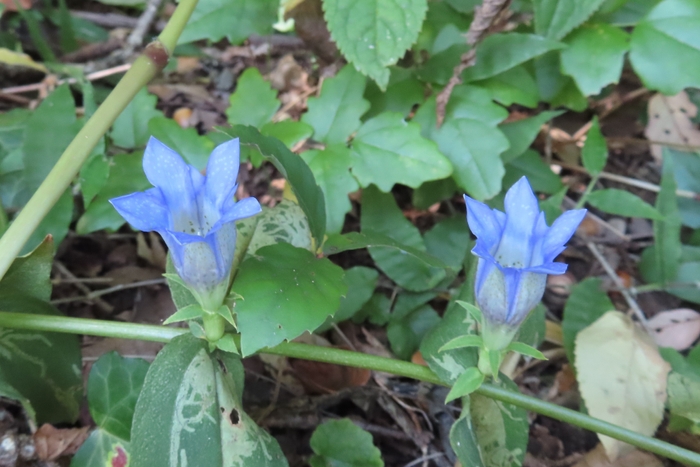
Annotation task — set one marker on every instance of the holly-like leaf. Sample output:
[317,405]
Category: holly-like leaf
[554,19]
[114,386]
[664,50]
[195,149]
[43,367]
[381,214]
[521,48]
[331,168]
[335,114]
[294,169]
[254,102]
[594,56]
[594,154]
[342,443]
[623,203]
[284,291]
[374,34]
[130,129]
[190,410]
[388,150]
[216,19]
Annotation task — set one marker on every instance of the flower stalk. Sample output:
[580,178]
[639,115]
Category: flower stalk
[146,66]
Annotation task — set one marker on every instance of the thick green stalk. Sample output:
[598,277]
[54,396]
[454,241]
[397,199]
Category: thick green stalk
[154,59]
[355,359]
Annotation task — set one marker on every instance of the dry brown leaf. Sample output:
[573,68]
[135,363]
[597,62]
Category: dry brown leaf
[597,458]
[670,122]
[10,4]
[677,328]
[622,377]
[52,443]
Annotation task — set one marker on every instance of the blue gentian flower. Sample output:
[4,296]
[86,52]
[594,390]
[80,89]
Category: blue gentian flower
[195,215]
[516,251]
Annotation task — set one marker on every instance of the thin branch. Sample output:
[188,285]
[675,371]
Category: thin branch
[98,293]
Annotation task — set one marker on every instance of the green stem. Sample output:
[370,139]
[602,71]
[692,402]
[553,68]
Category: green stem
[589,189]
[355,359]
[142,71]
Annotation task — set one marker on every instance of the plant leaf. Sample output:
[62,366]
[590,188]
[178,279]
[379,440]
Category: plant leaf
[335,114]
[374,34]
[195,149]
[216,19]
[130,129]
[468,382]
[554,19]
[521,133]
[254,102]
[342,443]
[594,154]
[622,203]
[471,340]
[285,291]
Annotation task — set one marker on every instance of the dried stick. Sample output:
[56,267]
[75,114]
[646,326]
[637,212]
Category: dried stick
[484,18]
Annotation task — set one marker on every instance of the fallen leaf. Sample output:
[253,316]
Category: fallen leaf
[622,377]
[10,4]
[16,59]
[670,121]
[597,458]
[52,443]
[677,328]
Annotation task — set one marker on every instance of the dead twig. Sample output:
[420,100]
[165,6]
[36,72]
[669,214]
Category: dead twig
[92,295]
[90,77]
[64,271]
[484,19]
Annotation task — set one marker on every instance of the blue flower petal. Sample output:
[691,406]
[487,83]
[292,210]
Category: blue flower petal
[144,211]
[222,172]
[522,209]
[166,170]
[244,208]
[483,222]
[560,232]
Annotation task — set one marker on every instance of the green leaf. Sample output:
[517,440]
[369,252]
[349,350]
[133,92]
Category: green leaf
[433,192]
[403,92]
[594,154]
[341,443]
[554,19]
[683,400]
[406,332]
[466,101]
[285,291]
[557,89]
[31,274]
[381,214]
[388,150]
[595,56]
[113,387]
[448,241]
[622,203]
[101,449]
[190,412]
[667,248]
[185,313]
[361,282]
[471,340]
[501,430]
[514,86]
[9,392]
[56,223]
[254,102]
[290,132]
[438,68]
[474,149]
[664,50]
[468,382]
[374,34]
[294,169]
[686,169]
[552,205]
[125,176]
[216,19]
[49,130]
[490,59]
[285,223]
[538,173]
[12,127]
[330,167]
[587,302]
[337,243]
[455,322]
[130,129]
[521,133]
[472,310]
[463,439]
[195,149]
[335,114]
[93,177]
[532,331]
[43,367]
[526,350]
